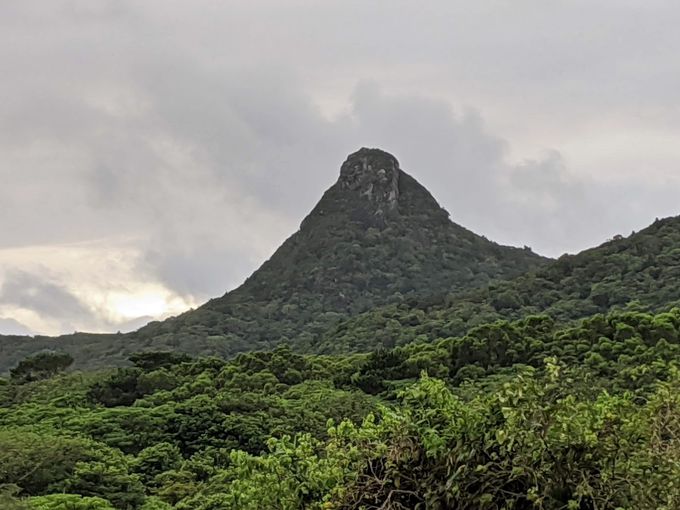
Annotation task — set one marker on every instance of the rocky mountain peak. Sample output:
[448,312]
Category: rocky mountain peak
[373,174]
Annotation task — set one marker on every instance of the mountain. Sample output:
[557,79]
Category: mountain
[637,273]
[376,237]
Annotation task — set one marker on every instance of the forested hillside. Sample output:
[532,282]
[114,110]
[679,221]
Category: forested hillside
[375,237]
[640,272]
[518,414]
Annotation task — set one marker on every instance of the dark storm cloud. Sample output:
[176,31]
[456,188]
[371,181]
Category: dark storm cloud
[202,133]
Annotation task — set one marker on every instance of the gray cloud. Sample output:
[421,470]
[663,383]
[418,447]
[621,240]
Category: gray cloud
[46,298]
[201,135]
[13,327]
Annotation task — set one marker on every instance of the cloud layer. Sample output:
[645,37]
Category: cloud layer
[155,153]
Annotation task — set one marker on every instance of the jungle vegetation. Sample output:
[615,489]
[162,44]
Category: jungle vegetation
[515,414]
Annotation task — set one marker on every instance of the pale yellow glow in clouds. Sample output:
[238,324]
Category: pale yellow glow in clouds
[102,275]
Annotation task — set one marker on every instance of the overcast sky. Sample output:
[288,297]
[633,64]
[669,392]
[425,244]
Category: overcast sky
[155,153]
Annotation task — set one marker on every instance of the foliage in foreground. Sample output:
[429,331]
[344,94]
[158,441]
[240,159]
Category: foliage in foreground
[531,445]
[493,426]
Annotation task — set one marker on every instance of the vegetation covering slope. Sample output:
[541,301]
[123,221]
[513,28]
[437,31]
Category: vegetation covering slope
[640,272]
[376,237]
[589,418]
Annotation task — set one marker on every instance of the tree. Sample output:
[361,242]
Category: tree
[40,366]
[153,360]
[157,459]
[108,479]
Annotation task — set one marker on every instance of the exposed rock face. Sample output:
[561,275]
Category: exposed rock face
[374,175]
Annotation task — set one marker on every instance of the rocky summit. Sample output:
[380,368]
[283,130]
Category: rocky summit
[373,174]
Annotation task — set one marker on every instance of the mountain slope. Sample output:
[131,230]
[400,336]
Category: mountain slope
[375,237]
[640,272]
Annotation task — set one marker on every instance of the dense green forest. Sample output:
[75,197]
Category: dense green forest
[640,272]
[522,414]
